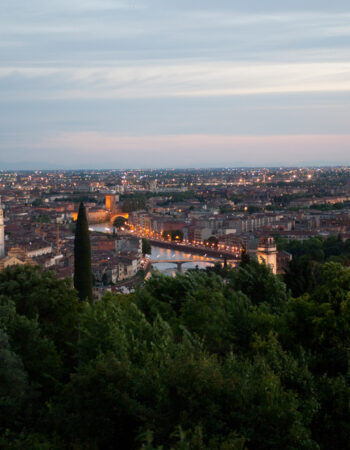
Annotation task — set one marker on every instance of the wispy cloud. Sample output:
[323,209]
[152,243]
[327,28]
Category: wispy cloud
[184,74]
[143,80]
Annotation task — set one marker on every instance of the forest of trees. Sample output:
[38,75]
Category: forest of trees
[303,273]
[216,359]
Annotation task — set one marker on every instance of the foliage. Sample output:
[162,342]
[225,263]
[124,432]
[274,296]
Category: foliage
[212,241]
[235,198]
[38,341]
[226,209]
[82,257]
[328,207]
[43,218]
[252,209]
[179,197]
[258,282]
[245,259]
[146,247]
[303,274]
[37,202]
[119,222]
[133,202]
[205,360]
[174,235]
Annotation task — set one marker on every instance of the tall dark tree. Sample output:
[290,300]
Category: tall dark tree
[245,258]
[82,256]
[146,247]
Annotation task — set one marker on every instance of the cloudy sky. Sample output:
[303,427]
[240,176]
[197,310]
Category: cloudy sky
[174,83]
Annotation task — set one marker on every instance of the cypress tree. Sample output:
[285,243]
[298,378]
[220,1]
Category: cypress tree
[245,258]
[82,256]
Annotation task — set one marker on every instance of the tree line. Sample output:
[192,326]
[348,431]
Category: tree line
[304,271]
[216,359]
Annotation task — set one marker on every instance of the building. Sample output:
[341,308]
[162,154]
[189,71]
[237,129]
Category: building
[16,256]
[127,244]
[127,267]
[38,248]
[267,252]
[111,202]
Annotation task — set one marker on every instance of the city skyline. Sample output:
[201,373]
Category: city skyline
[120,84]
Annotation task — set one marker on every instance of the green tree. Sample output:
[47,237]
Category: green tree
[31,369]
[44,218]
[333,246]
[203,361]
[252,209]
[37,202]
[257,281]
[319,321]
[134,202]
[146,247]
[245,258]
[301,275]
[212,241]
[174,235]
[119,222]
[82,257]
[39,295]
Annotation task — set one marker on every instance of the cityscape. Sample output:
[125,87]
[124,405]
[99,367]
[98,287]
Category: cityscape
[209,216]
[174,225]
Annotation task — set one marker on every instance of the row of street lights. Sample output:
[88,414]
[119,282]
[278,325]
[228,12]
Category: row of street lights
[146,232]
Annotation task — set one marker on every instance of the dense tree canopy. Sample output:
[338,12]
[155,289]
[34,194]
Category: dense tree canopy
[205,360]
[303,273]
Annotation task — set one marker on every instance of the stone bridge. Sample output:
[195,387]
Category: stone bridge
[113,216]
[180,262]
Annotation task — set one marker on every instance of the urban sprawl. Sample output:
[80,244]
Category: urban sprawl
[212,214]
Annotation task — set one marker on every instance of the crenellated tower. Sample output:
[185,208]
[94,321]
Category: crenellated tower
[267,252]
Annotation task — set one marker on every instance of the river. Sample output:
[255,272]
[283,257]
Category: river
[159,253]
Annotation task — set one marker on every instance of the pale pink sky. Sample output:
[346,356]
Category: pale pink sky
[123,83]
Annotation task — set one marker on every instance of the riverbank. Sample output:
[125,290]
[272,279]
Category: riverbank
[173,257]
[201,251]
[177,246]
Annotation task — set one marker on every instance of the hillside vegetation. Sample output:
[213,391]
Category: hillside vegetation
[205,360]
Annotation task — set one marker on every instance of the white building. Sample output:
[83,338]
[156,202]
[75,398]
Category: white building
[267,252]
[127,244]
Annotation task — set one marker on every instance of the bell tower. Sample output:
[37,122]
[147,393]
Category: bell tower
[267,252]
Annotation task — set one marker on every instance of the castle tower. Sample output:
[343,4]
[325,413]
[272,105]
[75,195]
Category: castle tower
[267,252]
[2,232]
[111,202]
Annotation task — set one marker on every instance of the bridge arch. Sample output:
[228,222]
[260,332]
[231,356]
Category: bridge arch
[112,217]
[180,262]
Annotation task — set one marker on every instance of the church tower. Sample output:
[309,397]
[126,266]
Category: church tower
[2,232]
[267,252]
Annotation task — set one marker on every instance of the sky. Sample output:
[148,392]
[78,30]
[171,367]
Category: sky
[174,83]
